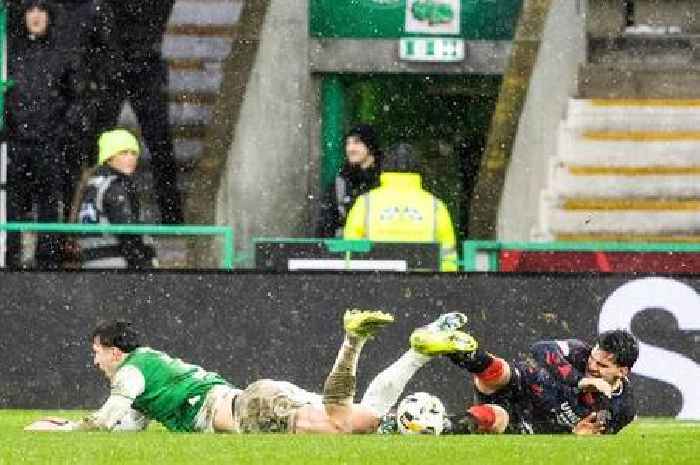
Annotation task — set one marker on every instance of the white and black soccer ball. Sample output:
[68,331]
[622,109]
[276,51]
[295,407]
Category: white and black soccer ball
[421,413]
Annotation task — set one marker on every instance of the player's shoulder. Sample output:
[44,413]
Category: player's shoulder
[143,355]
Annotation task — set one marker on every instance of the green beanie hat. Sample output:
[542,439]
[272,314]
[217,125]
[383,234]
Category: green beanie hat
[115,141]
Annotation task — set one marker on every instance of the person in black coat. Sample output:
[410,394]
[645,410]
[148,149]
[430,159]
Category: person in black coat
[43,116]
[86,28]
[359,175]
[139,26]
[109,196]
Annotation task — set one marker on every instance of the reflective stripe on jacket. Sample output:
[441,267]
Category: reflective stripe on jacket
[400,210]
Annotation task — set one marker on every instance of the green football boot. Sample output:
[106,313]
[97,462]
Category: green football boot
[427,341]
[365,323]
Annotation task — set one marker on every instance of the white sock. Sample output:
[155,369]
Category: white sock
[384,390]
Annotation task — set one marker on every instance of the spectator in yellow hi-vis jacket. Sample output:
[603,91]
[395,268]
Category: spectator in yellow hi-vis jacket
[400,210]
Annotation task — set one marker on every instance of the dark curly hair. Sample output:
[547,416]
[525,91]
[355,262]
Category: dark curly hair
[117,333]
[621,344]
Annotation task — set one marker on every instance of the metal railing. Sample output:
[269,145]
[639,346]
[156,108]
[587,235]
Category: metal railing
[485,255]
[135,229]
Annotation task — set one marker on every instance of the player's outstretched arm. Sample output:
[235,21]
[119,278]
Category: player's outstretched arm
[113,416]
[50,424]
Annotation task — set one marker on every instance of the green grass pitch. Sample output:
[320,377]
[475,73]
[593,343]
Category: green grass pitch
[647,441]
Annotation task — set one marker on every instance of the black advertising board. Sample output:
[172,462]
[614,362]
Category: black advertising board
[287,326]
[296,255]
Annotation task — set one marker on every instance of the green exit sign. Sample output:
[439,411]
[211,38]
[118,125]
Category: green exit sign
[433,49]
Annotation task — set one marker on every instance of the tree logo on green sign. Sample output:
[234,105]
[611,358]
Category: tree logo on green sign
[433,12]
[433,16]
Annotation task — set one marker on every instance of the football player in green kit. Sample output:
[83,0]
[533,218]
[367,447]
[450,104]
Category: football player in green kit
[150,385]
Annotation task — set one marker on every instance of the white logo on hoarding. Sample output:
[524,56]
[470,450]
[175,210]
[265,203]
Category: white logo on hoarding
[654,362]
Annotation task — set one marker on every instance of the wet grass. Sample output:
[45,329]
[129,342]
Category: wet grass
[647,441]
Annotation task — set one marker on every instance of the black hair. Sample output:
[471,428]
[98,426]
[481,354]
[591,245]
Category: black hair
[41,4]
[400,158]
[368,136]
[117,333]
[621,344]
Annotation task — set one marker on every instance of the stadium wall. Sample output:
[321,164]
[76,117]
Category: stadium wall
[263,190]
[553,82]
[248,326]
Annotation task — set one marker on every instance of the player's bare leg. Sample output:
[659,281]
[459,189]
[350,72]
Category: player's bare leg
[223,414]
[339,414]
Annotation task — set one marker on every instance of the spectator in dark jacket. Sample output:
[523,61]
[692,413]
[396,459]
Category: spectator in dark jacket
[143,80]
[86,28]
[359,175]
[44,114]
[109,196]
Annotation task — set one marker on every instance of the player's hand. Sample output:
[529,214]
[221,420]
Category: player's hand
[596,384]
[589,426]
[51,424]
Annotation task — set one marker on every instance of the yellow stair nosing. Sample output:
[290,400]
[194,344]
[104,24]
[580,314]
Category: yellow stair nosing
[607,204]
[660,170]
[641,136]
[632,102]
[186,64]
[621,237]
[202,30]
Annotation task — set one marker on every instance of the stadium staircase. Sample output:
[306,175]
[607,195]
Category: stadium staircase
[625,170]
[198,39]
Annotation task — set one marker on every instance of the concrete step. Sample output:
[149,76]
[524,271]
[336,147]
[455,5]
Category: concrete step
[641,81]
[171,251]
[205,81]
[594,221]
[212,48]
[633,114]
[565,184]
[206,12]
[576,147]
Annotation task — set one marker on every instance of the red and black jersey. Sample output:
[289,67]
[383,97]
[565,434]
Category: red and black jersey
[543,394]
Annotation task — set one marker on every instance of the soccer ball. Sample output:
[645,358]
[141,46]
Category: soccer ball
[421,413]
[131,421]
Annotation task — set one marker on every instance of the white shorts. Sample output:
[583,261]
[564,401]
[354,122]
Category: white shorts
[204,421]
[270,406]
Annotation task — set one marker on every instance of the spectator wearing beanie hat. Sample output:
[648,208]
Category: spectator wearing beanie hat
[109,196]
[43,115]
[359,174]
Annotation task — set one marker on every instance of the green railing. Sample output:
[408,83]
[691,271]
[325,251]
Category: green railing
[4,83]
[485,255]
[135,229]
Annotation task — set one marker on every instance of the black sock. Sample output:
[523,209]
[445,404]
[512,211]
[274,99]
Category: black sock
[475,362]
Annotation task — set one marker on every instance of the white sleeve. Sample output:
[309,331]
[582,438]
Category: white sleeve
[116,413]
[128,382]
